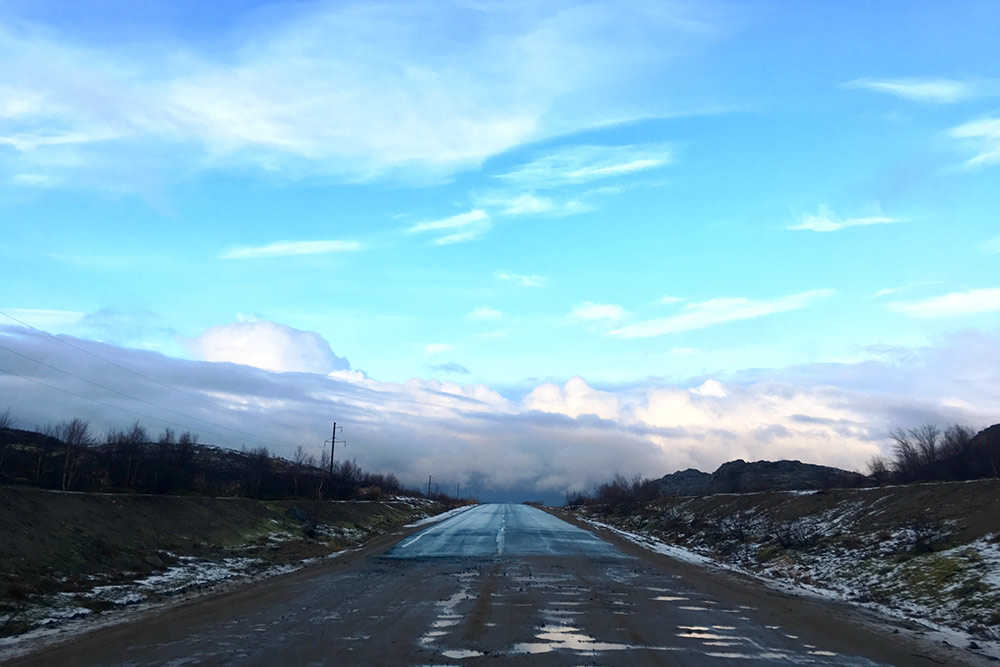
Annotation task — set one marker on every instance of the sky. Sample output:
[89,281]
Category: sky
[518,246]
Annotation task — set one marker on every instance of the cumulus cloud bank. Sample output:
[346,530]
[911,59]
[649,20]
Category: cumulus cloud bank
[267,345]
[552,438]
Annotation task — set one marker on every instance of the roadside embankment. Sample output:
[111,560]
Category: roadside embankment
[927,552]
[69,555]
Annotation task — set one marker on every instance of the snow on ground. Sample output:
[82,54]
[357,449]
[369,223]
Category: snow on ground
[427,520]
[935,589]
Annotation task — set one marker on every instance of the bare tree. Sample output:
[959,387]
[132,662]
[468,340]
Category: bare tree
[907,458]
[299,460]
[74,434]
[926,439]
[955,440]
[7,419]
[878,467]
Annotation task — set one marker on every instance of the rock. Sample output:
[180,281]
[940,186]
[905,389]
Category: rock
[154,560]
[309,528]
[296,513]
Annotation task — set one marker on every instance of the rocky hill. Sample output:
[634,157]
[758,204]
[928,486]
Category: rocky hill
[742,477]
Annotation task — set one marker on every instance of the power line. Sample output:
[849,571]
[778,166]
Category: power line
[118,407]
[138,374]
[134,398]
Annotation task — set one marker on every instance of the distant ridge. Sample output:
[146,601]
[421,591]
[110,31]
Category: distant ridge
[742,477]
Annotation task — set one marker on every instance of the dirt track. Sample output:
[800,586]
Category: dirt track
[522,610]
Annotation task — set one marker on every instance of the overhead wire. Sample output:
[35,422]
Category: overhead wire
[239,434]
[141,375]
[116,407]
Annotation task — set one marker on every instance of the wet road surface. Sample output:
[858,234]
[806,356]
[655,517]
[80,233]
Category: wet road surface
[503,530]
[497,584]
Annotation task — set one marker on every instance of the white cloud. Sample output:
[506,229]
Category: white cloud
[267,345]
[42,318]
[522,279]
[529,203]
[575,398]
[667,299]
[718,311]
[484,313]
[354,90]
[589,312]
[556,438]
[991,247]
[436,348]
[464,227]
[984,137]
[954,304]
[31,180]
[825,221]
[937,91]
[888,291]
[583,163]
[291,249]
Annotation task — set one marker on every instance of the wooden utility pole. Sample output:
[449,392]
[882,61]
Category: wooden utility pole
[428,486]
[333,443]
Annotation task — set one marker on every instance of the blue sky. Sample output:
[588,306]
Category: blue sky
[517,198]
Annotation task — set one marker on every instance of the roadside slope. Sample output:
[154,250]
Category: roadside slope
[927,552]
[68,555]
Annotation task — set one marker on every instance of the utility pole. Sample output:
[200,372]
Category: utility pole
[428,486]
[333,443]
[458,490]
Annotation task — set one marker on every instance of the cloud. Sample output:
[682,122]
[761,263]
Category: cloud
[667,300]
[557,437]
[984,137]
[267,345]
[353,90]
[437,348]
[529,203]
[450,367]
[573,399]
[590,312]
[991,247]
[522,279]
[464,227]
[954,304]
[291,249]
[719,311]
[824,221]
[888,291]
[484,313]
[574,165]
[935,91]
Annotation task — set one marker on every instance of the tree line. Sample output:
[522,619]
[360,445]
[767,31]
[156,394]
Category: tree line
[927,454]
[71,456]
[922,454]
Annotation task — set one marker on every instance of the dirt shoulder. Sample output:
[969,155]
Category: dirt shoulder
[71,556]
[920,561]
[841,626]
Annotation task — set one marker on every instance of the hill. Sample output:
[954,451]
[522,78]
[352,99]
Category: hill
[742,477]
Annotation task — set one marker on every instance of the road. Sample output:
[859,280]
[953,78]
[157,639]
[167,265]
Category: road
[497,584]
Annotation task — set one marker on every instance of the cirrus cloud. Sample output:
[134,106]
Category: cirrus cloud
[719,311]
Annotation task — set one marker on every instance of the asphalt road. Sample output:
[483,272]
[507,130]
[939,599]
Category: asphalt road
[497,584]
[503,530]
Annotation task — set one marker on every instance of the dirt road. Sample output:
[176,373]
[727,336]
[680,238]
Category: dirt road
[500,584]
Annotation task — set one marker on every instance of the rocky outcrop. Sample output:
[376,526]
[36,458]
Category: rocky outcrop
[742,477]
